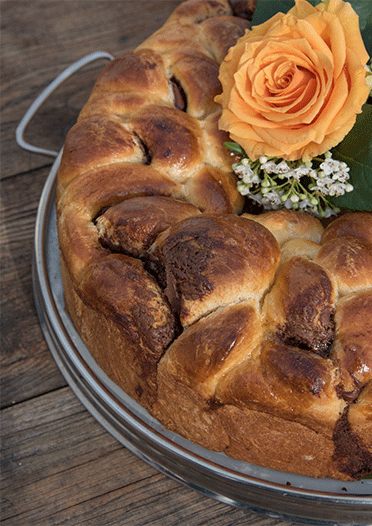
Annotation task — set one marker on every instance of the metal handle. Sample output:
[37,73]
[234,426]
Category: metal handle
[45,94]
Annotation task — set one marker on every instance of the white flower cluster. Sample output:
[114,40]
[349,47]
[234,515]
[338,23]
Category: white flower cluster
[275,183]
[369,75]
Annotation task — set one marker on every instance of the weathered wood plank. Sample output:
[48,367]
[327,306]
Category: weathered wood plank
[59,466]
[27,367]
[39,40]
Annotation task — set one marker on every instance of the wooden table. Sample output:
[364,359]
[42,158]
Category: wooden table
[59,466]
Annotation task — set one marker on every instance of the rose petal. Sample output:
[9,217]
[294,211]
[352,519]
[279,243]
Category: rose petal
[292,86]
[349,21]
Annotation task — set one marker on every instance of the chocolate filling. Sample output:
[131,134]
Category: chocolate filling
[180,99]
[241,9]
[349,454]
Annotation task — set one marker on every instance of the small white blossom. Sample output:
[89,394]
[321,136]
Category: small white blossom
[323,184]
[282,168]
[243,189]
[241,169]
[341,176]
[257,197]
[302,170]
[247,175]
[270,201]
[328,212]
[288,204]
[369,76]
[272,198]
[341,188]
[305,203]
[254,179]
[269,167]
[335,189]
[329,166]
[290,174]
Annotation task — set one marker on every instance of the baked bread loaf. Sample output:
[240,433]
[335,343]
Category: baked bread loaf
[248,334]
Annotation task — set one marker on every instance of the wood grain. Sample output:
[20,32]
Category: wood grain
[58,465]
[28,369]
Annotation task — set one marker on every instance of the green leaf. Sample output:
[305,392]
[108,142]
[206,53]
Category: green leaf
[356,151]
[363,9]
[235,148]
[367,34]
[265,9]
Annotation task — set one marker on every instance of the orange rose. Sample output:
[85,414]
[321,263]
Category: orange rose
[292,87]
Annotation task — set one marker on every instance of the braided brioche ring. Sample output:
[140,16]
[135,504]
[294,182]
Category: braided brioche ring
[248,334]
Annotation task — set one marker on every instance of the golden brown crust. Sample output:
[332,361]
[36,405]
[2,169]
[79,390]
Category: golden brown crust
[213,191]
[85,198]
[352,436]
[109,142]
[112,346]
[347,251]
[300,306]
[132,226]
[352,346]
[218,33]
[360,418]
[140,71]
[195,417]
[214,260]
[288,224]
[198,76]
[350,261]
[209,348]
[287,382]
[249,335]
[116,300]
[172,139]
[267,440]
[356,224]
[299,247]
